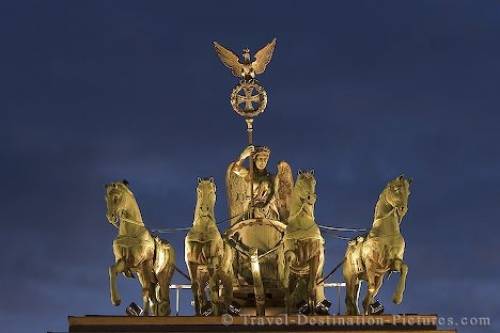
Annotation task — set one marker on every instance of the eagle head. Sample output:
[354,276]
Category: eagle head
[246,55]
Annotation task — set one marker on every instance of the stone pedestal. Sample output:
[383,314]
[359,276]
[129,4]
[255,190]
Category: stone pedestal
[292,323]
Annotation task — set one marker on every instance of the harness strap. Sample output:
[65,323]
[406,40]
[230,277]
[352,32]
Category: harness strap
[124,219]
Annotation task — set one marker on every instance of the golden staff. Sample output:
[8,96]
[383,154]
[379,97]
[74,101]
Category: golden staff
[248,98]
[249,122]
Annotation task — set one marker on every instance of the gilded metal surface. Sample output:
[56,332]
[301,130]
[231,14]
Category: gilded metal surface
[246,68]
[271,193]
[381,251]
[273,246]
[136,252]
[260,297]
[303,248]
[249,98]
[208,258]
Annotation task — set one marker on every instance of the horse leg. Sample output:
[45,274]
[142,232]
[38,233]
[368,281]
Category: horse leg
[118,267]
[291,299]
[163,291]
[153,299]
[319,287]
[227,284]
[204,301]
[351,296]
[400,266]
[322,305]
[164,277]
[352,282]
[213,284]
[281,267]
[311,283]
[196,286]
[145,278]
[379,279]
[227,277]
[166,286]
[370,291]
[290,258]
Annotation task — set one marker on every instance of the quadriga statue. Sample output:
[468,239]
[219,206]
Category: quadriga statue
[381,251]
[137,253]
[208,257]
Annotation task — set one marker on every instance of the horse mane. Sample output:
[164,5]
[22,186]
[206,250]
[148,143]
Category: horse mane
[381,201]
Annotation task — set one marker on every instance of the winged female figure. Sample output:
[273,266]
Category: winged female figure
[271,193]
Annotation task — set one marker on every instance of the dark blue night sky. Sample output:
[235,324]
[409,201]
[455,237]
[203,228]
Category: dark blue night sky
[361,91]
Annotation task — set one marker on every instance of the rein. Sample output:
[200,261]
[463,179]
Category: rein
[123,219]
[131,221]
[236,245]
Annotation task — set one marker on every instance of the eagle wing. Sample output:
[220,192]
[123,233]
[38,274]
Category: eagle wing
[263,57]
[284,187]
[229,59]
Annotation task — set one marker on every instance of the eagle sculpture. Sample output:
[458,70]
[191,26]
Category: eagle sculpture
[246,69]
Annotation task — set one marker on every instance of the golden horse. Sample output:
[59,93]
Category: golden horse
[303,250]
[370,258]
[208,257]
[136,251]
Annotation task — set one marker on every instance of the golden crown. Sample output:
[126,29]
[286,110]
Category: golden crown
[262,150]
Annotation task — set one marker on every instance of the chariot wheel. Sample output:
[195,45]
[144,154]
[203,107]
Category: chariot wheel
[264,237]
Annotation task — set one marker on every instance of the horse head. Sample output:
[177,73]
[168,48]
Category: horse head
[305,187]
[116,200]
[397,192]
[206,197]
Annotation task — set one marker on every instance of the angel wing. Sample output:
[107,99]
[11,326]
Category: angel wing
[263,57]
[229,59]
[237,197]
[284,187]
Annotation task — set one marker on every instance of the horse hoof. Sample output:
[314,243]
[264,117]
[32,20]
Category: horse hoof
[397,299]
[377,308]
[163,309]
[207,310]
[133,310]
[304,308]
[116,302]
[234,309]
[145,313]
[322,308]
